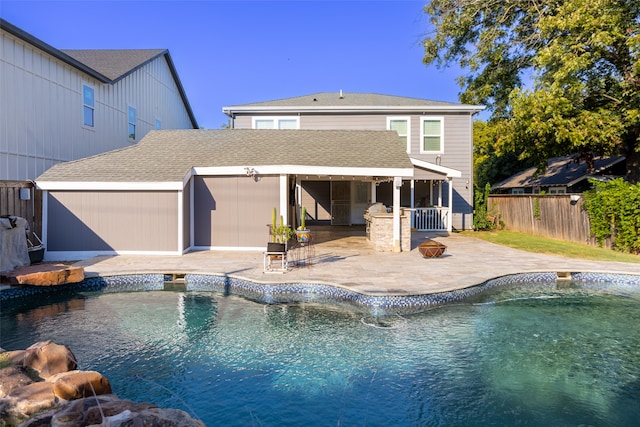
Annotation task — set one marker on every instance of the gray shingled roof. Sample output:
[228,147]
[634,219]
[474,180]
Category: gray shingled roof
[333,99]
[560,171]
[114,63]
[168,155]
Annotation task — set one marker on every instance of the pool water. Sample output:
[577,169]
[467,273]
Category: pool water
[527,354]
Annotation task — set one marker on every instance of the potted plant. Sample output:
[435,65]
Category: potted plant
[302,233]
[279,234]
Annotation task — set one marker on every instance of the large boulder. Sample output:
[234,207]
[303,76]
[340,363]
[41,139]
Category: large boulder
[48,358]
[78,384]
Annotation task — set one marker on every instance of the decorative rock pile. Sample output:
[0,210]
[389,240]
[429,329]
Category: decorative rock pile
[40,386]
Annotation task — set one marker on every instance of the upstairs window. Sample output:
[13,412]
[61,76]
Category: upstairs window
[276,123]
[432,135]
[401,126]
[158,124]
[132,123]
[88,105]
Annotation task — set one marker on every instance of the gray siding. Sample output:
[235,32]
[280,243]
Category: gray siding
[41,109]
[112,221]
[233,211]
[458,143]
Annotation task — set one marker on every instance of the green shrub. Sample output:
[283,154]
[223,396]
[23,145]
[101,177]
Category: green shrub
[614,212]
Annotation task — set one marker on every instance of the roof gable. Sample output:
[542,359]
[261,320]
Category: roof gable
[107,66]
[115,63]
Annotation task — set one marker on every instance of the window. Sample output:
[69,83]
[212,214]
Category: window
[276,123]
[431,135]
[132,123]
[557,190]
[88,105]
[517,191]
[158,124]
[401,125]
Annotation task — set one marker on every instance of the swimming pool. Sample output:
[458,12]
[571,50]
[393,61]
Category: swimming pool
[529,353]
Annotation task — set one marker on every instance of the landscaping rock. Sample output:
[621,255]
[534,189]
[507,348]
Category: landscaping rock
[48,358]
[61,400]
[46,275]
[78,384]
[11,378]
[25,401]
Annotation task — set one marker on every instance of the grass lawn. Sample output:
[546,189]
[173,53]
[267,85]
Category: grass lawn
[527,242]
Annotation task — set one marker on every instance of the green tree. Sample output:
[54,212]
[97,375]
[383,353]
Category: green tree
[558,76]
[488,166]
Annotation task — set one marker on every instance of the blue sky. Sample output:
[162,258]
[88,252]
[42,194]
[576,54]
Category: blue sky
[235,52]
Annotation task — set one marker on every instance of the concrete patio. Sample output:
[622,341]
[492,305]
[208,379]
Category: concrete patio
[351,262]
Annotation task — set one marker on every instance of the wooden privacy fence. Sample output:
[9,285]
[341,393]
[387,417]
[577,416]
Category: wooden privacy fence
[20,198]
[555,216]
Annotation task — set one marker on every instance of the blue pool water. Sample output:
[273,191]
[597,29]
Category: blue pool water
[526,354]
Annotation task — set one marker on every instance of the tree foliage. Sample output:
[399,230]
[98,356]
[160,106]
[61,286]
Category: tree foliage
[614,212]
[488,167]
[558,76]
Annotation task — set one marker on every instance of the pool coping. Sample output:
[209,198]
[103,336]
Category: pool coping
[315,292]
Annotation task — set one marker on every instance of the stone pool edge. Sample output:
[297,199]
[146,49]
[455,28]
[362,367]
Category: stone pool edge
[282,293]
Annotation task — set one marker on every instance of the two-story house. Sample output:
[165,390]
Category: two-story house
[438,138]
[183,190]
[61,105]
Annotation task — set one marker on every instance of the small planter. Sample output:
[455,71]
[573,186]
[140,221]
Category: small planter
[275,247]
[432,249]
[303,235]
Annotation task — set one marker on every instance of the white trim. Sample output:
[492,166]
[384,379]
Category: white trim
[192,226]
[229,248]
[461,108]
[431,118]
[224,171]
[397,185]
[88,186]
[80,255]
[284,198]
[45,219]
[450,173]
[399,118]
[304,170]
[450,216]
[180,221]
[275,120]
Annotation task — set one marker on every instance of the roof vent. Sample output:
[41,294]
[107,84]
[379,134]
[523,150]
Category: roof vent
[315,99]
[341,96]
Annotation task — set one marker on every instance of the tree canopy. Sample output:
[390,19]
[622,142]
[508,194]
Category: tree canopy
[558,76]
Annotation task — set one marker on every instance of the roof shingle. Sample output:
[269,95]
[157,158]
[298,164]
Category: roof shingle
[168,155]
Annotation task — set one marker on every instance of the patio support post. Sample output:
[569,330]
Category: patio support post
[373,192]
[397,185]
[449,217]
[284,197]
[412,200]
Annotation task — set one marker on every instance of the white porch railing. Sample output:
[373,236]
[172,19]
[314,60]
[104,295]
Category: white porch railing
[430,219]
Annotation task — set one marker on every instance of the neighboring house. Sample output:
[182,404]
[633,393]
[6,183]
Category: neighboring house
[182,190]
[438,139]
[563,175]
[60,105]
